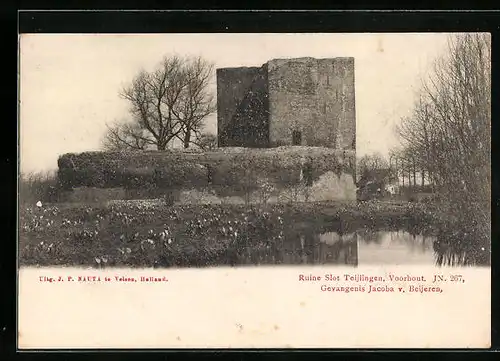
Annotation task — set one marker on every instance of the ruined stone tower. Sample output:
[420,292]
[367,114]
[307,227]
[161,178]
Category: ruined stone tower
[302,101]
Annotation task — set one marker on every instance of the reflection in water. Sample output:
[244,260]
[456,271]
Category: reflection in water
[394,247]
[461,249]
[306,248]
[363,246]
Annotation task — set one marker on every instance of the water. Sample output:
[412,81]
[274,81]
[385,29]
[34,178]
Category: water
[364,247]
[395,247]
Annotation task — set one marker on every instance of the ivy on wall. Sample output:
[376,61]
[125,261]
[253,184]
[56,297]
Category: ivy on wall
[241,170]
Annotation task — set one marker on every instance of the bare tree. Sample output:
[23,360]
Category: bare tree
[168,103]
[196,101]
[125,136]
[449,130]
[408,165]
[371,162]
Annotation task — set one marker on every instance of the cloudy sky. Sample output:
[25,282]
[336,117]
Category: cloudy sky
[69,84]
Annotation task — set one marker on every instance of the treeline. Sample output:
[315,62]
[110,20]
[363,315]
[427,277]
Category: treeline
[447,136]
[41,186]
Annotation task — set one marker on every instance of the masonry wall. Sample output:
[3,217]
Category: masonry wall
[330,187]
[243,107]
[315,97]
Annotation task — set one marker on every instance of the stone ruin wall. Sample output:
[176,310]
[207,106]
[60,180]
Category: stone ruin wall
[315,97]
[261,107]
[328,184]
[242,107]
[331,186]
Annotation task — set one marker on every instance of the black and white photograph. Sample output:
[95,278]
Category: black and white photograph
[182,158]
[160,153]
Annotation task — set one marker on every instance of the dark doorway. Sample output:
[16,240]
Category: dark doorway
[296,137]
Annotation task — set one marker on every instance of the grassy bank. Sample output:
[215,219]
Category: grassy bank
[149,233]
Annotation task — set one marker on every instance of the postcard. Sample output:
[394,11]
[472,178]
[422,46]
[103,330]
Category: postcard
[302,190]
